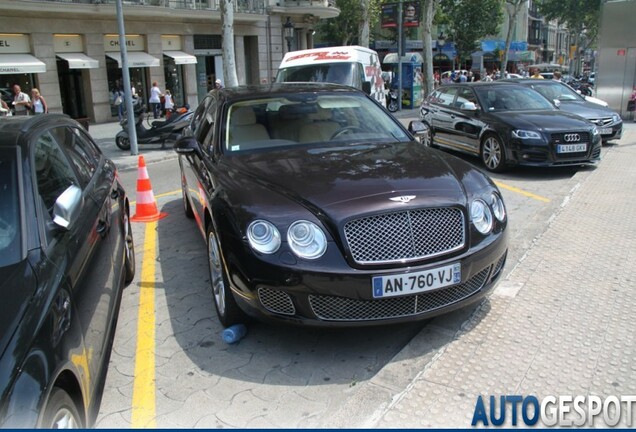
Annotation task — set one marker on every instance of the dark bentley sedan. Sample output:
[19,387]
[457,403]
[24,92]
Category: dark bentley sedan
[508,124]
[319,208]
[65,253]
[609,123]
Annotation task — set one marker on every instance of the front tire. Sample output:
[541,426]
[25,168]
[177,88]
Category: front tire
[187,207]
[493,154]
[393,105]
[123,142]
[129,251]
[61,412]
[227,310]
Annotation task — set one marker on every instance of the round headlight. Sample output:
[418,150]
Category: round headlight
[306,240]
[498,208]
[263,237]
[481,216]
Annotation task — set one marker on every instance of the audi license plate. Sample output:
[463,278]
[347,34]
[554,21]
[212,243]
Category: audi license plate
[417,282]
[606,131]
[571,148]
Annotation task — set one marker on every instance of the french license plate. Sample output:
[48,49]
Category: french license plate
[571,148]
[606,131]
[417,282]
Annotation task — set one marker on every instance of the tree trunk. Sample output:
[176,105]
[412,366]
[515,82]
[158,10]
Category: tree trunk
[227,31]
[363,31]
[428,7]
[513,9]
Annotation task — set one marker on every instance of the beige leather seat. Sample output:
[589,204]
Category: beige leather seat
[243,127]
[321,128]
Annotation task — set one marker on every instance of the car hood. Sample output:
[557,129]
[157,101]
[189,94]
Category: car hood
[17,287]
[587,110]
[545,121]
[342,181]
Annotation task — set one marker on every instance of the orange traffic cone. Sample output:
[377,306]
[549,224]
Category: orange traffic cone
[146,208]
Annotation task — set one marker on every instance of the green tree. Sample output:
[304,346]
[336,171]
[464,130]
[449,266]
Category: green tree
[580,16]
[471,20]
[352,25]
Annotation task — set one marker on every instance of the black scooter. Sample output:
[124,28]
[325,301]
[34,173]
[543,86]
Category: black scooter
[159,132]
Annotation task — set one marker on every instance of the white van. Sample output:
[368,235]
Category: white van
[354,66]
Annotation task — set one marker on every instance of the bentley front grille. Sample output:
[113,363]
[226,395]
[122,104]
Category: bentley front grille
[405,235]
[332,308]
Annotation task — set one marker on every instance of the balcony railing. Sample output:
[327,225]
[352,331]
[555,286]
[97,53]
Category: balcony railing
[241,6]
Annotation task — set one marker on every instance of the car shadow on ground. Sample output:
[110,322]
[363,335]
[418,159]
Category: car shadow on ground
[270,354]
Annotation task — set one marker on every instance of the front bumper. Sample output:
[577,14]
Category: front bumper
[344,299]
[544,154]
[615,134]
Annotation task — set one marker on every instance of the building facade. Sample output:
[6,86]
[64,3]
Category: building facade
[70,50]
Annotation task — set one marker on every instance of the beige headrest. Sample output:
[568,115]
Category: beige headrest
[243,116]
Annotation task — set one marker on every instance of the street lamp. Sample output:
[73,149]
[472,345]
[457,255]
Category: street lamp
[288,31]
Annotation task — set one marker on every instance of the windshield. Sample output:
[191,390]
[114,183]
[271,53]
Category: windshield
[308,119]
[552,91]
[10,209]
[511,98]
[336,73]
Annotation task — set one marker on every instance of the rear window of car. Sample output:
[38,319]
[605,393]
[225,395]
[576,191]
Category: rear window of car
[10,209]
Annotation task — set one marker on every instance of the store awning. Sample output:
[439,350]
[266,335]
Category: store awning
[180,57]
[409,57]
[20,63]
[79,61]
[136,59]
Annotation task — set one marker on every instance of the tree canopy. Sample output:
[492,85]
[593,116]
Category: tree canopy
[345,28]
[469,21]
[580,16]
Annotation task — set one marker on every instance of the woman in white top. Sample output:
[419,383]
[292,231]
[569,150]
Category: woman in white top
[38,103]
[155,99]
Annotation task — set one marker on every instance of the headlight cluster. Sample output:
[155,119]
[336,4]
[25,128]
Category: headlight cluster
[616,118]
[305,238]
[595,131]
[526,134]
[483,214]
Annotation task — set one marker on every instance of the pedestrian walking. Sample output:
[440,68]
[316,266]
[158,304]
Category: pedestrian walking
[38,103]
[21,101]
[168,104]
[118,102]
[155,99]
[631,104]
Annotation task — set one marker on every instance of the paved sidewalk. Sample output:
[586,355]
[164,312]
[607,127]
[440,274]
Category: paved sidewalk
[562,323]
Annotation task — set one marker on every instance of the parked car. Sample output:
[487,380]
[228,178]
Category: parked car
[66,251]
[608,122]
[508,124]
[319,208]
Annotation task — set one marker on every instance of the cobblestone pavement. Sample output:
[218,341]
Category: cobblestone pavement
[562,323]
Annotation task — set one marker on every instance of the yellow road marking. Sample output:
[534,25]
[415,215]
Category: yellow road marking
[174,192]
[143,400]
[522,192]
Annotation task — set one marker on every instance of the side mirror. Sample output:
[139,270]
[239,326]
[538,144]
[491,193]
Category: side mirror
[416,128]
[469,106]
[187,145]
[557,103]
[366,87]
[67,207]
